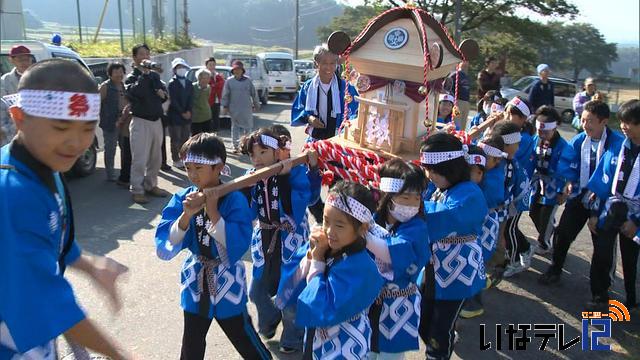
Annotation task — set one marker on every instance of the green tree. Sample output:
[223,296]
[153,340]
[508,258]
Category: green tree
[578,47]
[352,21]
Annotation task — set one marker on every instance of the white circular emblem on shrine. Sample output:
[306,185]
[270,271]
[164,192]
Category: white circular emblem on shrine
[396,38]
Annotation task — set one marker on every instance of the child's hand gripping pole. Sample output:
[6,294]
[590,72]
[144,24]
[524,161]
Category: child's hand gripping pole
[264,173]
[477,131]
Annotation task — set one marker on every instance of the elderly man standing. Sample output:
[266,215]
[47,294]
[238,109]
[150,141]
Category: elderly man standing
[542,92]
[20,57]
[240,100]
[146,93]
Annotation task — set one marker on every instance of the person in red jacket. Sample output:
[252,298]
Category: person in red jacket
[216,83]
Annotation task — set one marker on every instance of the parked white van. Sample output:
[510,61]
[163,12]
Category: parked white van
[86,164]
[257,71]
[282,74]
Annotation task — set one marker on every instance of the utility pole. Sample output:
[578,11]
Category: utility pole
[104,11]
[144,25]
[458,14]
[79,22]
[120,24]
[185,18]
[133,18]
[297,30]
[175,21]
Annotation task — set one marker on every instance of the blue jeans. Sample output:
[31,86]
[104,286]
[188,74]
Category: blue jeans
[269,316]
[110,143]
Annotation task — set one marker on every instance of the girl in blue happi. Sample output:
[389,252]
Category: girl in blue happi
[216,232]
[280,204]
[616,185]
[547,185]
[491,103]
[337,279]
[445,111]
[518,112]
[455,210]
[404,253]
[484,170]
[517,191]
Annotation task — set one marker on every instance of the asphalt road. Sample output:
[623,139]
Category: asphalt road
[150,323]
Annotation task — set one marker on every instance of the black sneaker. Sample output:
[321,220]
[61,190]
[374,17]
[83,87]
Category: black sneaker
[165,168]
[598,303]
[471,308]
[549,278]
[287,350]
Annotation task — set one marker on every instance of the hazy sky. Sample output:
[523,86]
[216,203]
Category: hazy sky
[617,20]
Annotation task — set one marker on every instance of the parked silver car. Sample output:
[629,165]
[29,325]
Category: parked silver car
[564,90]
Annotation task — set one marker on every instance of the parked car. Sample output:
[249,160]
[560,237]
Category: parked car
[564,89]
[86,164]
[257,71]
[225,72]
[282,75]
[305,69]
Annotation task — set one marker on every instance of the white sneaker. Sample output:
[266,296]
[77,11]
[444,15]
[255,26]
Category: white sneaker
[178,164]
[513,269]
[526,257]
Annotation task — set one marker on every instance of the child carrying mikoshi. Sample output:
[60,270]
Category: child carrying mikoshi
[280,204]
[406,251]
[216,234]
[455,210]
[56,112]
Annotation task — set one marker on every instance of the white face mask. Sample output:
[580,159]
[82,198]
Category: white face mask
[181,72]
[403,213]
[486,108]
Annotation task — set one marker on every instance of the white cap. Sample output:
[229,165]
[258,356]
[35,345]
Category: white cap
[542,67]
[446,97]
[179,61]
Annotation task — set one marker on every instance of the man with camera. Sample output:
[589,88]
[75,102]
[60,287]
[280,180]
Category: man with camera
[146,93]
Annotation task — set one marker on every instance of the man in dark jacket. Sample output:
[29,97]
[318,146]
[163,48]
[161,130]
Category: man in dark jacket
[145,93]
[488,78]
[542,92]
[180,107]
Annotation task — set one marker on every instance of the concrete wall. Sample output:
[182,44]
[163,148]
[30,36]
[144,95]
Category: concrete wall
[11,20]
[192,56]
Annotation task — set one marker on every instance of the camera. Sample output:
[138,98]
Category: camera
[151,65]
[616,216]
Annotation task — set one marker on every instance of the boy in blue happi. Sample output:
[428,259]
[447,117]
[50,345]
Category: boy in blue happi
[395,315]
[280,204]
[455,210]
[615,184]
[485,172]
[56,112]
[491,103]
[337,280]
[517,190]
[320,105]
[547,185]
[577,163]
[216,231]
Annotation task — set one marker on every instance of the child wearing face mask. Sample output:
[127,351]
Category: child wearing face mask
[547,185]
[405,252]
[455,210]
[337,280]
[491,103]
[280,203]
[485,172]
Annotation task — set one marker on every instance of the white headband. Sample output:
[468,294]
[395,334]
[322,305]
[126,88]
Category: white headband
[495,107]
[391,185]
[492,151]
[512,138]
[446,97]
[475,159]
[269,141]
[61,105]
[524,109]
[287,145]
[203,160]
[355,208]
[432,158]
[546,125]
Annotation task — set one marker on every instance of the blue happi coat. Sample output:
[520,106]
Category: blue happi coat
[601,183]
[517,188]
[400,317]
[546,182]
[230,296]
[571,158]
[334,304]
[37,303]
[492,186]
[524,155]
[455,219]
[291,241]
[299,116]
